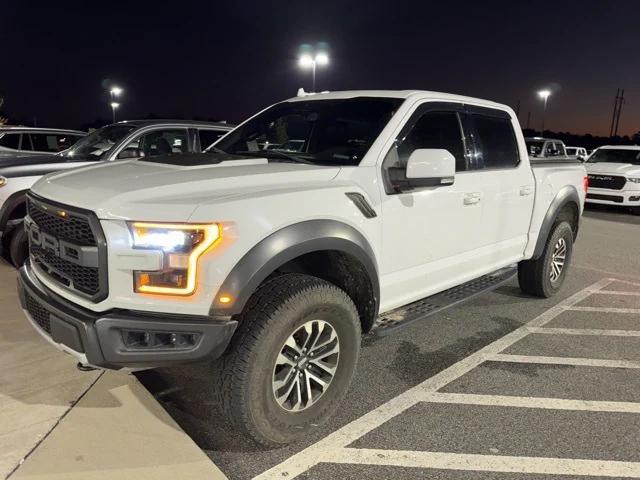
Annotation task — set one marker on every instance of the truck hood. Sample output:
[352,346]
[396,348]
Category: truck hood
[625,169]
[144,190]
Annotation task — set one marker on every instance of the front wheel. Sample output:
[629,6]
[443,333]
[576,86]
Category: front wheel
[544,276]
[291,360]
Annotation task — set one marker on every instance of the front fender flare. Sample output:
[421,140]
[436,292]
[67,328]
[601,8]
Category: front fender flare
[287,244]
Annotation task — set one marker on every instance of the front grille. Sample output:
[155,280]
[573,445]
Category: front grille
[612,182]
[84,279]
[58,236]
[608,198]
[38,313]
[74,229]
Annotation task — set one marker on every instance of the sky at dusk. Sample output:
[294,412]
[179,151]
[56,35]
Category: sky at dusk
[226,60]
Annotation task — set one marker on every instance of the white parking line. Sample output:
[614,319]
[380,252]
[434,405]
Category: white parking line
[335,442]
[615,292]
[533,402]
[485,463]
[604,310]
[585,331]
[583,362]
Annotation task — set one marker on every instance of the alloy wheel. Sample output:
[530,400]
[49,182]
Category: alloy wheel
[306,365]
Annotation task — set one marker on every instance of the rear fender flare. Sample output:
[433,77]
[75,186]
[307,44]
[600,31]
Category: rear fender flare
[564,197]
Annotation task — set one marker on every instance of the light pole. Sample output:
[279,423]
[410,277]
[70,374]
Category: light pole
[309,60]
[544,95]
[113,93]
[114,105]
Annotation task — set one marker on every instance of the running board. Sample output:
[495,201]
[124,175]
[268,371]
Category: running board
[389,322]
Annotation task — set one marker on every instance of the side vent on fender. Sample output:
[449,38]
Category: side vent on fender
[362,204]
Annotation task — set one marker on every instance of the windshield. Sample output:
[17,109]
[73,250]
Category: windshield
[611,155]
[534,147]
[327,132]
[99,142]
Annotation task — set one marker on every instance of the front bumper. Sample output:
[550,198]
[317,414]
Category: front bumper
[623,198]
[120,338]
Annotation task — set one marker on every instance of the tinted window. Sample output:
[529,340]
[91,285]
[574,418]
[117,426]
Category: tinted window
[496,142]
[25,143]
[52,142]
[432,130]
[10,140]
[534,147]
[560,149]
[572,151]
[328,132]
[612,155]
[207,137]
[160,142]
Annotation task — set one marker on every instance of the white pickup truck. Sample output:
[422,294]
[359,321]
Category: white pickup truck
[318,219]
[614,176]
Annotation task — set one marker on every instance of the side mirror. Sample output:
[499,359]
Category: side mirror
[430,167]
[130,153]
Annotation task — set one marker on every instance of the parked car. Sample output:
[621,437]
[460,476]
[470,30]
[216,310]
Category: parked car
[614,176]
[577,152]
[35,141]
[546,148]
[119,141]
[398,205]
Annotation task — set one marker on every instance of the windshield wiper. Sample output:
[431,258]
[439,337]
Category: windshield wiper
[275,154]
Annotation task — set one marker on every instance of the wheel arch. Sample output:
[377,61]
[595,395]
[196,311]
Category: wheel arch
[566,205]
[334,243]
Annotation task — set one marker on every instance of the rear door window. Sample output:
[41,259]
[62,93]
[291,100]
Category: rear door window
[10,140]
[495,141]
[45,142]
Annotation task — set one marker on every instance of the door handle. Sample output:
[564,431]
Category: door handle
[526,190]
[472,198]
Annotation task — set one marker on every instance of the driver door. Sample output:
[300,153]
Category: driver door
[430,233]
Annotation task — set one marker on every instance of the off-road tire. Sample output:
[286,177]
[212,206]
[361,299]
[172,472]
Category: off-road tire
[534,276]
[18,247]
[244,374]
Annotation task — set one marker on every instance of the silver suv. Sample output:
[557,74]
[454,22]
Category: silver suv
[30,140]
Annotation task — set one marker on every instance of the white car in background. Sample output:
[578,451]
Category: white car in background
[614,176]
[578,152]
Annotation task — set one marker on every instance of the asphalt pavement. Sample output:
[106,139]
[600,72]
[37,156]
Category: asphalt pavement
[503,387]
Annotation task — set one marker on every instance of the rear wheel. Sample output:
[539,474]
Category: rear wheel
[544,276]
[18,246]
[291,360]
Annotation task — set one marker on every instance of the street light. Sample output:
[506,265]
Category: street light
[114,105]
[544,95]
[114,92]
[308,60]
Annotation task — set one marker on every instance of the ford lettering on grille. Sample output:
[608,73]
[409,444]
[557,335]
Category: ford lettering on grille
[64,246]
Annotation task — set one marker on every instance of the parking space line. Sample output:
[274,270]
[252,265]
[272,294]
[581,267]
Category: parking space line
[604,310]
[584,331]
[312,455]
[486,463]
[577,361]
[533,402]
[614,292]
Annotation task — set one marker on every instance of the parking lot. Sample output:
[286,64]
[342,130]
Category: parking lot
[503,387]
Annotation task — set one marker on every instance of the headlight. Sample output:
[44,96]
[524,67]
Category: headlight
[634,180]
[3,181]
[182,245]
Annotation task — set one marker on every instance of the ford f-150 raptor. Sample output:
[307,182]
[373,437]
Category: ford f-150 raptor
[318,219]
